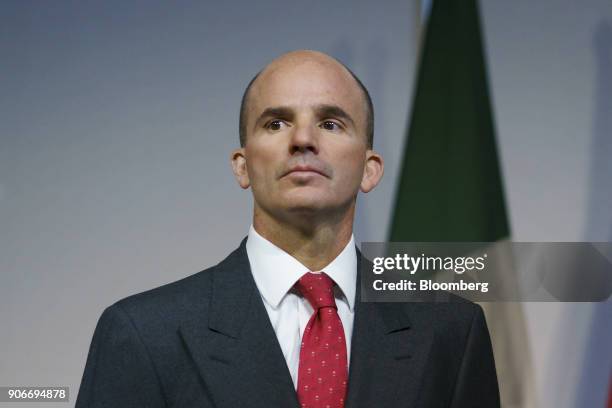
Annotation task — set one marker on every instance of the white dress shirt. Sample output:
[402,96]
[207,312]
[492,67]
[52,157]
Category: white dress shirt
[275,272]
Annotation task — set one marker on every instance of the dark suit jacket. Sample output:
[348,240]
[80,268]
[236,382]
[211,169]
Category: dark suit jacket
[207,341]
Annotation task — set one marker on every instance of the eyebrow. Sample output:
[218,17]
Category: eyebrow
[275,112]
[322,111]
[335,111]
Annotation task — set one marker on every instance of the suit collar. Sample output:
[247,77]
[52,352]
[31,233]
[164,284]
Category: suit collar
[232,292]
[393,316]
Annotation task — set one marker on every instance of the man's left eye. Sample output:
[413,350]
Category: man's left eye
[329,125]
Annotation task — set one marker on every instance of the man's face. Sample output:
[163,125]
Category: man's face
[306,145]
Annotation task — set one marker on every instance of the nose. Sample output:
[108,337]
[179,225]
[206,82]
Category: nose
[304,138]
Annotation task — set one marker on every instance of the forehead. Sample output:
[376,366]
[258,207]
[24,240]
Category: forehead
[306,83]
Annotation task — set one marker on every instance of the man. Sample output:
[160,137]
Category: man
[279,322]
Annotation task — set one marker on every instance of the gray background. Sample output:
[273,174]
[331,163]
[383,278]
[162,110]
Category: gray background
[117,119]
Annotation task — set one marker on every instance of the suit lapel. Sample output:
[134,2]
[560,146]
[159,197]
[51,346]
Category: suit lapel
[236,350]
[388,355]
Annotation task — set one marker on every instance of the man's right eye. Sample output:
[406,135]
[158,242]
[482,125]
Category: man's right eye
[275,125]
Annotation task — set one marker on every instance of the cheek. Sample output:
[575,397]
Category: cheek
[260,166]
[351,177]
[350,167]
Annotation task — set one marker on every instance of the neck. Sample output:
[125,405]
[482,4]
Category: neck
[314,241]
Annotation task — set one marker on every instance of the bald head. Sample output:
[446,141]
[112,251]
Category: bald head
[303,59]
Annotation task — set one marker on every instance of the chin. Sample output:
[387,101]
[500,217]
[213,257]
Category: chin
[312,207]
[305,207]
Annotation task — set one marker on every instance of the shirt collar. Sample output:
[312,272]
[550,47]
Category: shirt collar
[275,271]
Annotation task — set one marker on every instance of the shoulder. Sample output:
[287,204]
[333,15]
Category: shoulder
[166,307]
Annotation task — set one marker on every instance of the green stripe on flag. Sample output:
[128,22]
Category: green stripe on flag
[450,187]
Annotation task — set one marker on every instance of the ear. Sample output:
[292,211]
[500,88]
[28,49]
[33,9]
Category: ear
[239,167]
[373,171]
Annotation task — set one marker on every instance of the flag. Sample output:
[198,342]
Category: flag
[450,187]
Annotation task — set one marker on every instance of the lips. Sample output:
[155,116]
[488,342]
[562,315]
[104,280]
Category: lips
[305,169]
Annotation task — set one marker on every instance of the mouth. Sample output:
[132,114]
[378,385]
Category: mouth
[305,170]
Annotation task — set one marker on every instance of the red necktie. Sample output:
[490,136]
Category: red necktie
[323,370]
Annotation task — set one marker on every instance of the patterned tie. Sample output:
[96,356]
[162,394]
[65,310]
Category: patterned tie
[323,370]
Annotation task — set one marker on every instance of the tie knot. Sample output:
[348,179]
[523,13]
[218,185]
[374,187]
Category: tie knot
[317,288]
